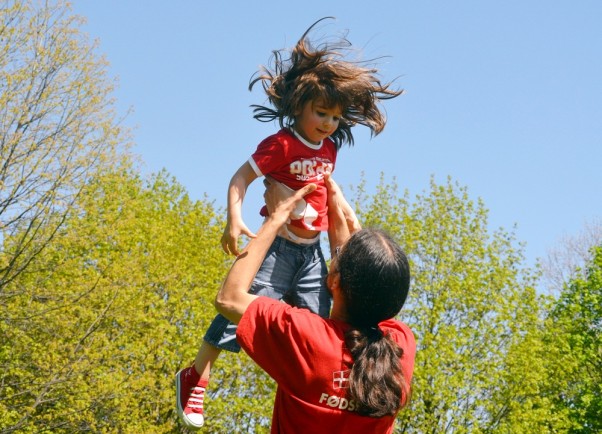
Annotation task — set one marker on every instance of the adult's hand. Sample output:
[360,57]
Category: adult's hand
[283,200]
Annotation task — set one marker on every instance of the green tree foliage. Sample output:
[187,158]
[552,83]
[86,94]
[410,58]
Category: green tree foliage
[57,125]
[107,314]
[574,341]
[241,397]
[106,285]
[473,309]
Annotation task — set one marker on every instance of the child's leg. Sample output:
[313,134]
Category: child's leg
[205,359]
[191,382]
[273,279]
[310,291]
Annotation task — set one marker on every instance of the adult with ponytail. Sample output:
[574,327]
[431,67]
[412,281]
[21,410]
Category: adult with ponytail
[350,373]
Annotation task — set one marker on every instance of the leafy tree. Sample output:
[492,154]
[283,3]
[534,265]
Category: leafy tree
[106,285]
[241,397]
[107,313]
[472,306]
[575,338]
[57,125]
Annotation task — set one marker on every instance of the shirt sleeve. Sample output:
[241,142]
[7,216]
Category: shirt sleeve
[268,156]
[278,337]
[404,337]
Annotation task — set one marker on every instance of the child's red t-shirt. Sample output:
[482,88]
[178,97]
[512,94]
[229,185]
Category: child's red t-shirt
[296,163]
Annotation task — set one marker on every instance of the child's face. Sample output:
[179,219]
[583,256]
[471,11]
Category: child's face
[316,122]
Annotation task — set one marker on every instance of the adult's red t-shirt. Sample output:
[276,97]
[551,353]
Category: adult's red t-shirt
[307,356]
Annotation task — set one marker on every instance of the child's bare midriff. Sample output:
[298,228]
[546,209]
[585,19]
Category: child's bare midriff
[298,232]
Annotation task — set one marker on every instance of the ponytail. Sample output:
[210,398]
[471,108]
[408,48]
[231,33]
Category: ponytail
[376,382]
[374,280]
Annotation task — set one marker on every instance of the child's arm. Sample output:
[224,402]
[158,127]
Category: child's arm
[235,226]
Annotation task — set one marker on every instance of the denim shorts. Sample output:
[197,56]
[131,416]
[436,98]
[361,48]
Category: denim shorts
[293,273]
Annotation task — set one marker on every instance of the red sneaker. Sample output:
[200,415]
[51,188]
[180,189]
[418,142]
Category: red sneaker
[190,392]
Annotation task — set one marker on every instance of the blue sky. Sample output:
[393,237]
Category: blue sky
[503,97]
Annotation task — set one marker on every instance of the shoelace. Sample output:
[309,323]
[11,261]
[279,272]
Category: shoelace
[196,399]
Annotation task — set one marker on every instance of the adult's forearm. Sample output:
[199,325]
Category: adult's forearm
[338,230]
[233,297]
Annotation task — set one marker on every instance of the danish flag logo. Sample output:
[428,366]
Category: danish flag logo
[340,379]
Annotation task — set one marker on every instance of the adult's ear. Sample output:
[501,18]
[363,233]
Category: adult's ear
[333,281]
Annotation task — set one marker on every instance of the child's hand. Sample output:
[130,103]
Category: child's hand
[231,234]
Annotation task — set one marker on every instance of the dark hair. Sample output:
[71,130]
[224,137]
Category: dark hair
[312,73]
[374,281]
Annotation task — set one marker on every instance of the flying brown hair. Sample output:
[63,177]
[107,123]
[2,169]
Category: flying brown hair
[322,73]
